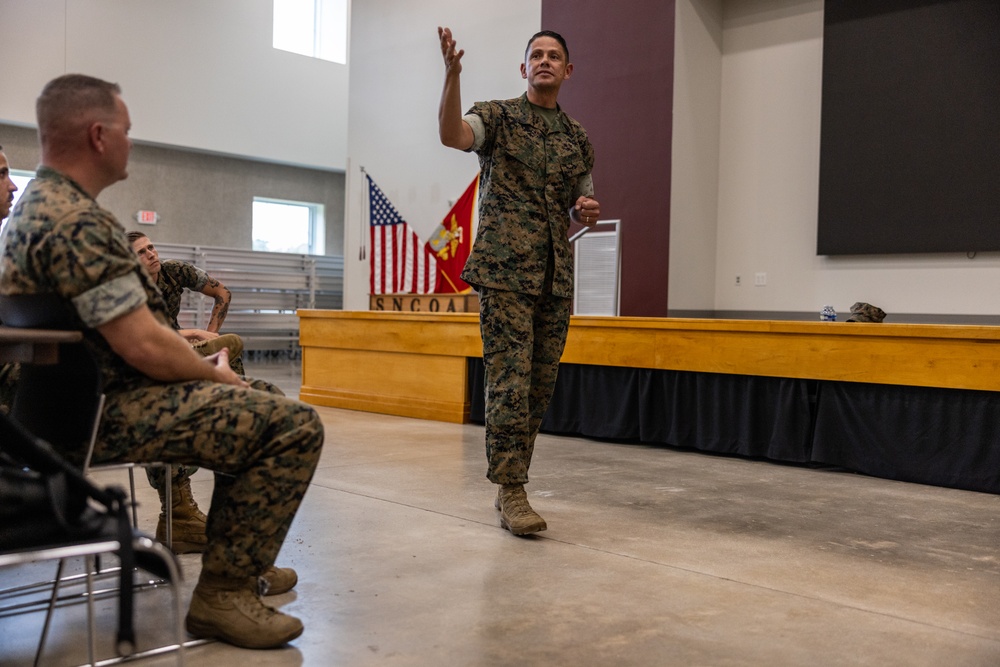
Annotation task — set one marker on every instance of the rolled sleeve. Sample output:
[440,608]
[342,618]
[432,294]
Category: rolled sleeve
[109,301]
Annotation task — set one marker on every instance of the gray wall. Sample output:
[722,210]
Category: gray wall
[201,198]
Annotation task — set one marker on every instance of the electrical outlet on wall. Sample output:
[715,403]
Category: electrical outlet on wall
[760,279]
[739,281]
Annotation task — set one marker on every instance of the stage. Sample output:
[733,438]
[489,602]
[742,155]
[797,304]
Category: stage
[901,401]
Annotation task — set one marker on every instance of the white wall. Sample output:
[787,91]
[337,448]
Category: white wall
[195,74]
[396,77]
[768,180]
[768,186]
[694,189]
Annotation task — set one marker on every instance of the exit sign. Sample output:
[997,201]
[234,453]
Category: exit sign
[146,217]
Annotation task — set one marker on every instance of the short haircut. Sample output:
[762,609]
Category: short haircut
[135,236]
[69,102]
[547,33]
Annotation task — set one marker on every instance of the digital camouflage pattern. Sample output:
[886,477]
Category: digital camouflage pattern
[59,240]
[262,447]
[157,475]
[523,339]
[522,266]
[865,312]
[175,276]
[172,280]
[528,181]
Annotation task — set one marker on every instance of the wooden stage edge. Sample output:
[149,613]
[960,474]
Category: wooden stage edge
[414,364]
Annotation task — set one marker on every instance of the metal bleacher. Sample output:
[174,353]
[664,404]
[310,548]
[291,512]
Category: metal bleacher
[267,287]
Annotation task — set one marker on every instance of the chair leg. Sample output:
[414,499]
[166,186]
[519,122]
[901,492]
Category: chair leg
[91,623]
[48,613]
[175,582]
[131,492]
[88,566]
[174,577]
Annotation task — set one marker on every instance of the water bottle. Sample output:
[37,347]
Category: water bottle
[828,314]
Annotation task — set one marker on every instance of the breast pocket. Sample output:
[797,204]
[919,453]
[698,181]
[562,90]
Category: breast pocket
[524,153]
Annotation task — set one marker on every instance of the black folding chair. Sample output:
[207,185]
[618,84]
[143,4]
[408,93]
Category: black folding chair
[60,405]
[74,384]
[106,529]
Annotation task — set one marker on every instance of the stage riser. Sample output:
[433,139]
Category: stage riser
[408,385]
[908,402]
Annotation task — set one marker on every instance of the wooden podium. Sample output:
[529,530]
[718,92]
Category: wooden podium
[411,364]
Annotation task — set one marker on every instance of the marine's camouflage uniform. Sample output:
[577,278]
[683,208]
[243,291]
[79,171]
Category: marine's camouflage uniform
[262,447]
[522,266]
[181,472]
[173,278]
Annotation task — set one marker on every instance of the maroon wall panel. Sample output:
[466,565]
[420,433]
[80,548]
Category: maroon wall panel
[621,91]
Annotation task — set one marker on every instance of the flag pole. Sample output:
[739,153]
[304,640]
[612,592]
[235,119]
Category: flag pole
[364,227]
[453,287]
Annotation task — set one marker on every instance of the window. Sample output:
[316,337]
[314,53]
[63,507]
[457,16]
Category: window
[288,226]
[315,28]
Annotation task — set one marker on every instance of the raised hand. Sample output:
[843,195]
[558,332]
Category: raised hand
[452,58]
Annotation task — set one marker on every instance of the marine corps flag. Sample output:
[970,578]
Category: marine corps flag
[451,242]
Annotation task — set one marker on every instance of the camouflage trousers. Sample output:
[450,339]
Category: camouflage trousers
[262,447]
[181,473]
[523,339]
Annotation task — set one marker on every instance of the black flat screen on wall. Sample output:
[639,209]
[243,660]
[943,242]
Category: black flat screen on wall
[910,135]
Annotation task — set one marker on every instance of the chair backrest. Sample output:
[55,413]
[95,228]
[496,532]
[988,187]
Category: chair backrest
[59,403]
[35,311]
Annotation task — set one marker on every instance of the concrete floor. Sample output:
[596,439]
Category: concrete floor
[653,556]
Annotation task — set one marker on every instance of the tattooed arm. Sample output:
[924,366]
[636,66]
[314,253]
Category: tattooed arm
[222,296]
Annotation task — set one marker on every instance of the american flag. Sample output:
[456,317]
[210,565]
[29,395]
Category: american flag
[400,262]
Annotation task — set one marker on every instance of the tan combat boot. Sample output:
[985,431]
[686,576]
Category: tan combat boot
[188,524]
[232,610]
[516,514]
[278,580]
